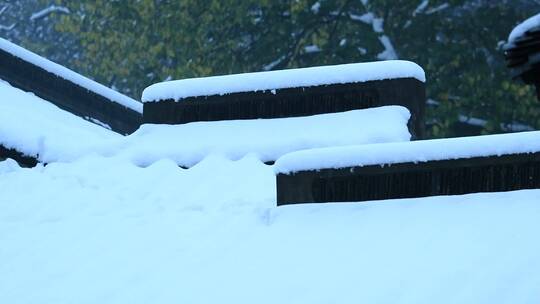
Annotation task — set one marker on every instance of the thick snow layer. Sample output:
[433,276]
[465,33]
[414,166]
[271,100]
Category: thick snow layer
[268,139]
[523,27]
[36,127]
[70,75]
[101,230]
[416,151]
[293,78]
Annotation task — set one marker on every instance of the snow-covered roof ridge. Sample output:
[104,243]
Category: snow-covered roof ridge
[291,78]
[70,75]
[523,27]
[410,152]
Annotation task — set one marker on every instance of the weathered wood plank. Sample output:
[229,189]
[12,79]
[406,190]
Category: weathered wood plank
[67,95]
[409,180]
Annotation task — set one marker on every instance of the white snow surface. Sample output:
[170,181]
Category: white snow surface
[415,151]
[268,139]
[292,78]
[36,127]
[523,27]
[70,75]
[102,230]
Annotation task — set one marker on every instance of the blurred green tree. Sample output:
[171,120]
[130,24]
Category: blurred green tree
[31,23]
[130,44]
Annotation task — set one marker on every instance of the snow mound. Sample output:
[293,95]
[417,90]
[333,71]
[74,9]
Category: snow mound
[70,75]
[102,230]
[9,165]
[523,27]
[268,139]
[38,128]
[416,151]
[292,78]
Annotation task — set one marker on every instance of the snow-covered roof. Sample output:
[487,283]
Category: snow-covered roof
[70,75]
[102,230]
[273,80]
[38,128]
[523,27]
[413,152]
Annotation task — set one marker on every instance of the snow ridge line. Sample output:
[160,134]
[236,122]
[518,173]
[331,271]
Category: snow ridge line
[70,75]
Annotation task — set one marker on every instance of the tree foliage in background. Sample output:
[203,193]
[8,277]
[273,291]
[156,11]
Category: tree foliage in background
[130,44]
[31,23]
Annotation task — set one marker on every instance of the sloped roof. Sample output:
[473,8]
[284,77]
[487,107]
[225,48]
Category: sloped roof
[100,228]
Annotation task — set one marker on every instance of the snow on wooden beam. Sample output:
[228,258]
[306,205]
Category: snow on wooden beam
[522,52]
[290,93]
[295,102]
[68,90]
[391,171]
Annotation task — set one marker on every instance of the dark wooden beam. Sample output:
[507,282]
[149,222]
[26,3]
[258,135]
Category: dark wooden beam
[67,95]
[410,180]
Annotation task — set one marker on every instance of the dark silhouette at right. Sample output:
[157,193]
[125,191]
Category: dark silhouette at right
[523,57]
